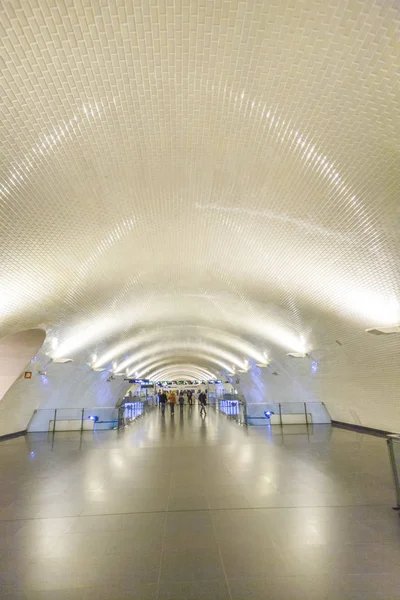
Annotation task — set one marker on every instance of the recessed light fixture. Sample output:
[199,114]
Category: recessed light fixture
[297,355]
[384,330]
[62,361]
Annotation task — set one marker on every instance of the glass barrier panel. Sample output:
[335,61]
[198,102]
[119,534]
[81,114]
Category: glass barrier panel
[287,413]
[73,419]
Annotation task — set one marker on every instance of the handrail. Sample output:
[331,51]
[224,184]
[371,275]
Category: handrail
[274,413]
[74,418]
[126,414]
[234,409]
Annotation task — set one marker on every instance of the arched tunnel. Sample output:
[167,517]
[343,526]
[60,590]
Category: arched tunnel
[190,192]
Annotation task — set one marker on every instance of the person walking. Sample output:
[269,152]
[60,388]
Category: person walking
[203,403]
[190,397]
[163,400]
[172,402]
[181,400]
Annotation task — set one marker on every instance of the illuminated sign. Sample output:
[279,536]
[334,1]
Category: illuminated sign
[192,382]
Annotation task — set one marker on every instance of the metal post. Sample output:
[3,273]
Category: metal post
[83,412]
[280,414]
[245,413]
[395,471]
[54,421]
[120,418]
[305,412]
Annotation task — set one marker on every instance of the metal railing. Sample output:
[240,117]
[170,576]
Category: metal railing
[132,410]
[73,419]
[97,418]
[235,407]
[393,442]
[287,413]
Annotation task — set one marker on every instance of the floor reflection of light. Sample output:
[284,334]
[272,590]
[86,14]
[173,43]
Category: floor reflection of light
[246,455]
[95,494]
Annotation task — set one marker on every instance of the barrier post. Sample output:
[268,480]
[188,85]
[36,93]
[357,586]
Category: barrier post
[305,412]
[54,421]
[245,413]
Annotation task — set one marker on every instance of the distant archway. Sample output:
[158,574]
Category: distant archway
[16,351]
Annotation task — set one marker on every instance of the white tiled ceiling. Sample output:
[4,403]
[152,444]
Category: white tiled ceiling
[171,164]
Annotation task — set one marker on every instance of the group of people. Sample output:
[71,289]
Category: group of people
[178,397]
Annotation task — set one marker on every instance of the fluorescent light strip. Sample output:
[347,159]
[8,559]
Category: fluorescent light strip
[205,358]
[232,341]
[185,348]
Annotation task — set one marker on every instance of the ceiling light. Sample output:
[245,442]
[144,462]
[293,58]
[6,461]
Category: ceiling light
[62,361]
[384,330]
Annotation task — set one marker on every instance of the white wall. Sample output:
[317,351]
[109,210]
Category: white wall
[16,350]
[260,385]
[358,379]
[70,385]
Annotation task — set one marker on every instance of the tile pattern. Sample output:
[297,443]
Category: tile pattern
[226,164]
[281,516]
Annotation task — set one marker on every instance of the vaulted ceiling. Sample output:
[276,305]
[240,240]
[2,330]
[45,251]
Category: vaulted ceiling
[190,186]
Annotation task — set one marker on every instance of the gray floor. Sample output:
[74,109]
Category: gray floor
[196,509]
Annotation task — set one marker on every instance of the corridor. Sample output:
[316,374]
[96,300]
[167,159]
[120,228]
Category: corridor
[191,508]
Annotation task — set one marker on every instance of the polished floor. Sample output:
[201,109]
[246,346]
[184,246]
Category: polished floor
[191,508]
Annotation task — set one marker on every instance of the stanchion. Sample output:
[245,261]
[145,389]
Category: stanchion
[54,421]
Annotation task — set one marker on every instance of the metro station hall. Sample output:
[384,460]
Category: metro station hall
[199,300]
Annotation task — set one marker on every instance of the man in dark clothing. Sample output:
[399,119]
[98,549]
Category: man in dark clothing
[163,401]
[181,400]
[203,402]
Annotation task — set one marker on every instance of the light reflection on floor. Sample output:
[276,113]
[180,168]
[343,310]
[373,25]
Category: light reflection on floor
[198,507]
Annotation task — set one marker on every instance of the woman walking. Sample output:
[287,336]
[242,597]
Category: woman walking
[172,402]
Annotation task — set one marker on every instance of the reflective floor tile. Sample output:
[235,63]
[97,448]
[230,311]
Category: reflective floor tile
[180,504]
[194,590]
[280,588]
[191,564]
